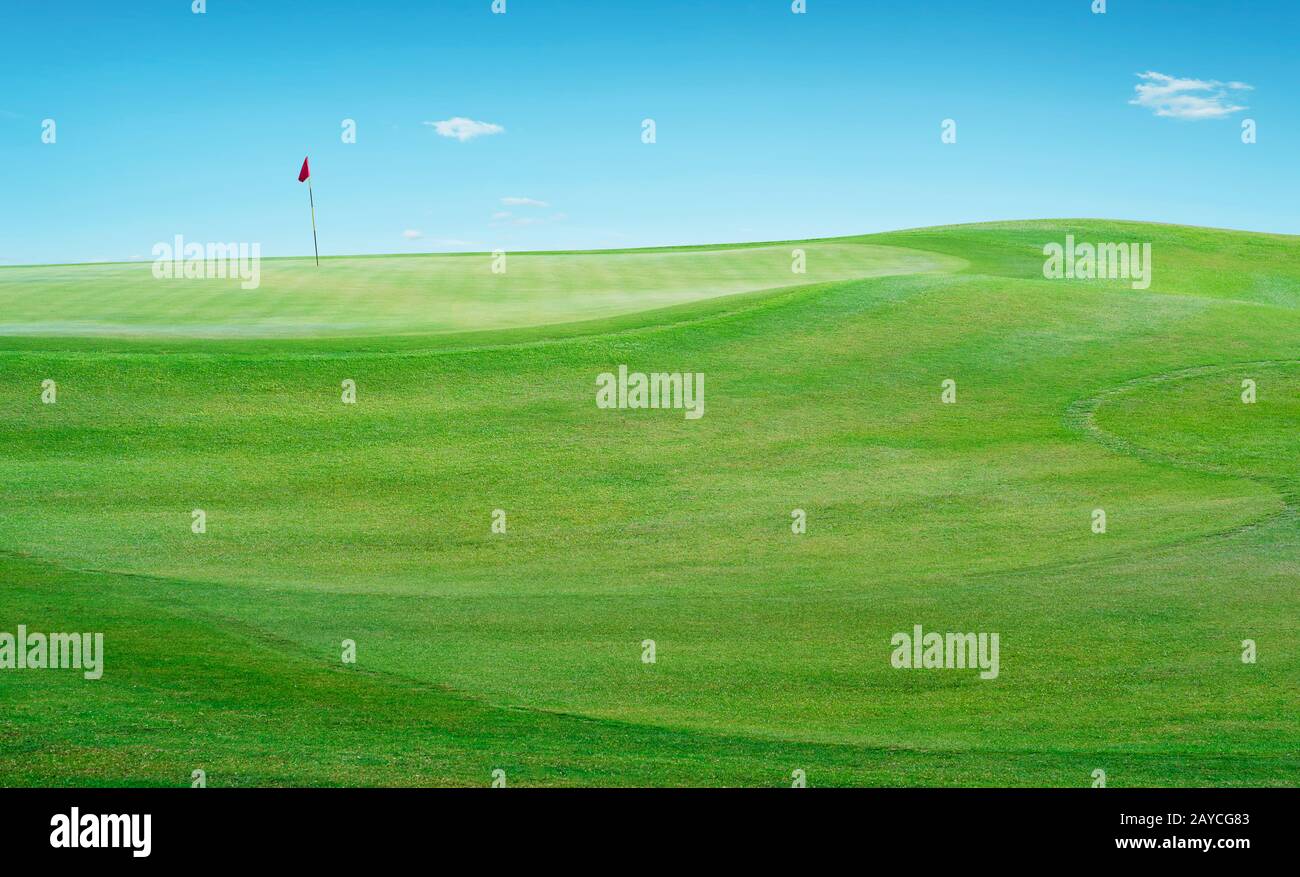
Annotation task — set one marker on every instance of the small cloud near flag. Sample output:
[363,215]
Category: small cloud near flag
[463,129]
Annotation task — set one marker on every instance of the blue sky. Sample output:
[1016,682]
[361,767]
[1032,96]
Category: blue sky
[770,125]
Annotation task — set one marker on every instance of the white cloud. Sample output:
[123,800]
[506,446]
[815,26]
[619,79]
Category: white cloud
[1187,98]
[413,235]
[504,218]
[523,202]
[464,129]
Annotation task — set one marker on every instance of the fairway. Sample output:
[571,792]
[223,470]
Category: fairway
[523,651]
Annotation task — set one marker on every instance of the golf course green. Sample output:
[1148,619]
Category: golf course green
[524,651]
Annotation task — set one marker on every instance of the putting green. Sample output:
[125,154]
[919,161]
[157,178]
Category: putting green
[385,295]
[1199,418]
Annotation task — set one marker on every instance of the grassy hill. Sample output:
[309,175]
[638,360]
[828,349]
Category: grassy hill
[475,392]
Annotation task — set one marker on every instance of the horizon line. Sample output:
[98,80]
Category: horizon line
[719,245]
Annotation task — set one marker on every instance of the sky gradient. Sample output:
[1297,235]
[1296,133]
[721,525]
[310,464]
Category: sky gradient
[770,125]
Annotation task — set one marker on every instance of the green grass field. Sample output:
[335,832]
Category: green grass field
[478,651]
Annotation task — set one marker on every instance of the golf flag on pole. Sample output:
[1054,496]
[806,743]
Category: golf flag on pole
[305,174]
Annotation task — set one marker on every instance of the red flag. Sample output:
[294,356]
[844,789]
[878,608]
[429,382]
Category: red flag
[305,172]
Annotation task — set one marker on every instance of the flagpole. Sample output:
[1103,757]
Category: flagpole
[312,198]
